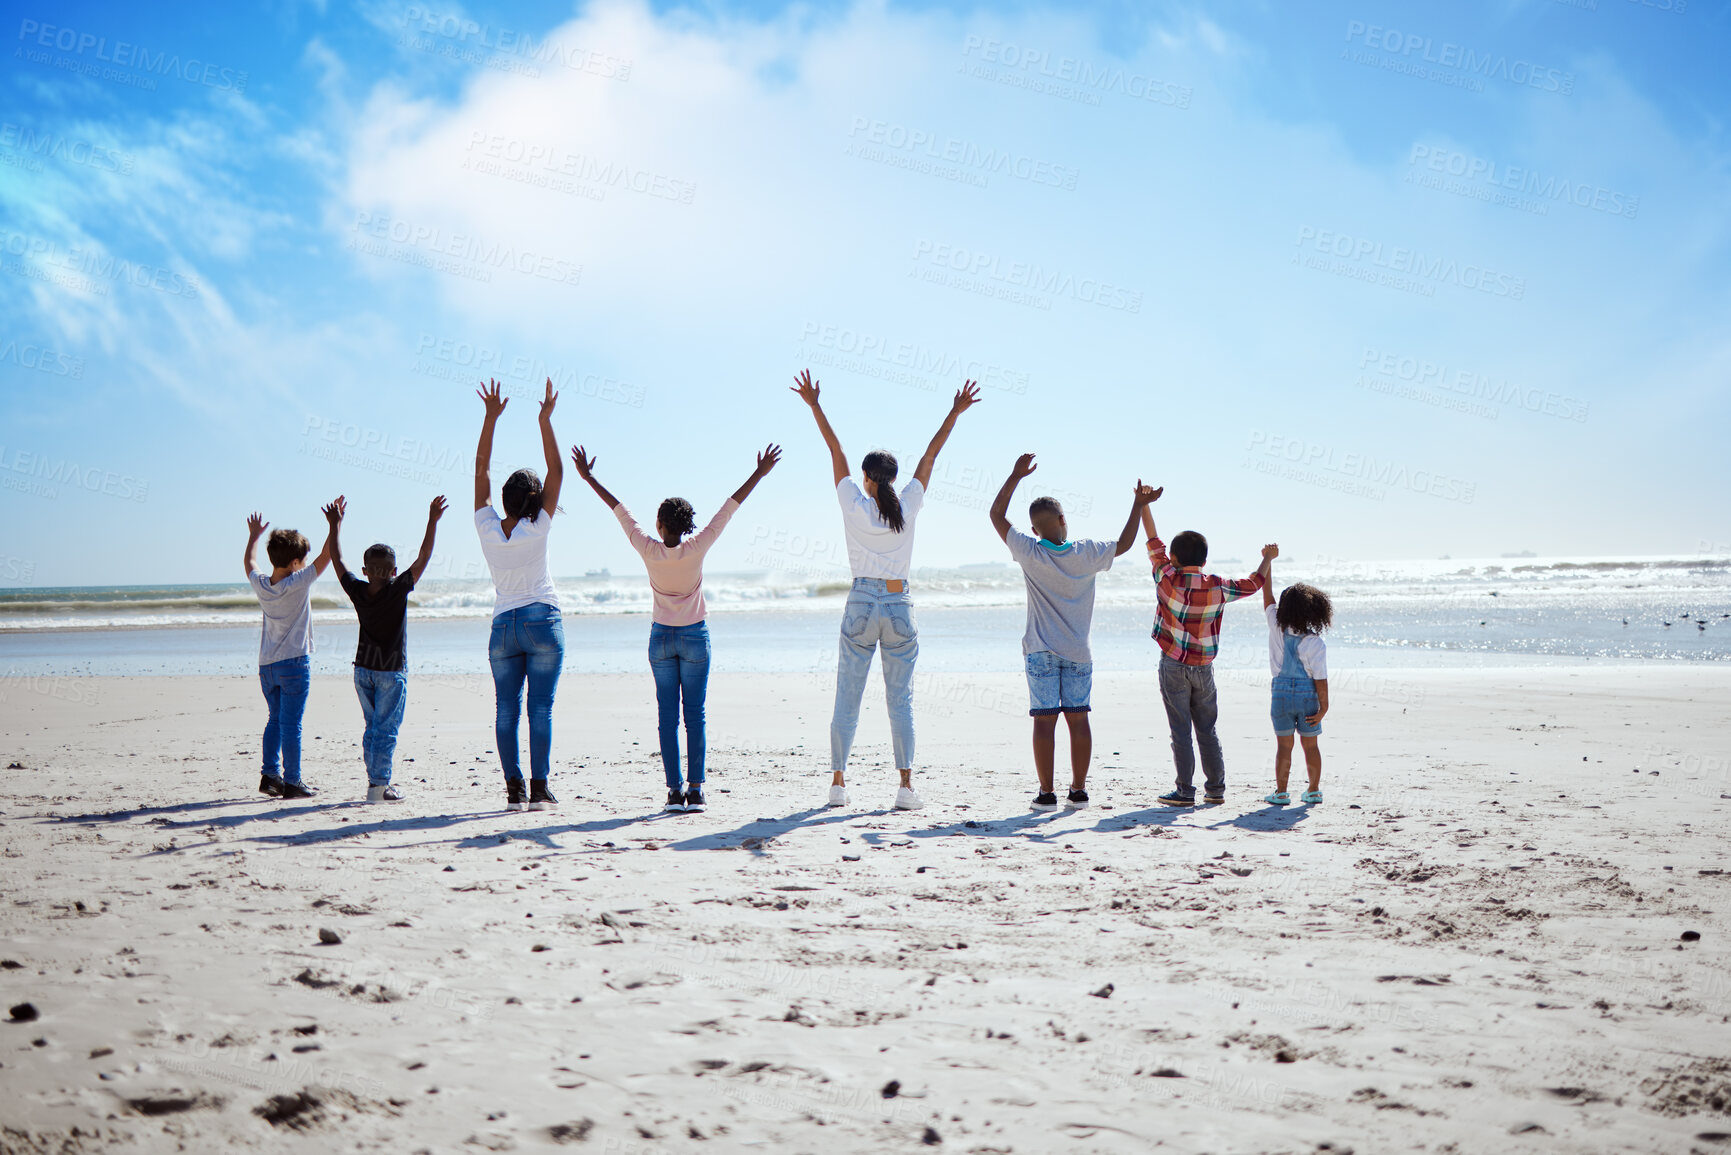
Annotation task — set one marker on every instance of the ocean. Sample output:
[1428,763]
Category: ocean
[1445,612]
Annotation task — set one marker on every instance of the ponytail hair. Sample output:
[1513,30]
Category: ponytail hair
[521,495]
[880,469]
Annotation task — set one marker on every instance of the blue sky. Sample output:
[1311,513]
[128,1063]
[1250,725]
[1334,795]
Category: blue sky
[1374,280]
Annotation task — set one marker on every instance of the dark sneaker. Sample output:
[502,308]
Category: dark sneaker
[1214,799]
[694,798]
[513,794]
[1078,800]
[297,790]
[270,784]
[1176,799]
[541,798]
[675,800]
[1046,801]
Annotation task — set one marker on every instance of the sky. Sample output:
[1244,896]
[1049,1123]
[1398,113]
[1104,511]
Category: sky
[1370,279]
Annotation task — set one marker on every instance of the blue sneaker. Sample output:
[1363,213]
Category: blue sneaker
[1177,799]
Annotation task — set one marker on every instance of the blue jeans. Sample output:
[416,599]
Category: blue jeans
[285,685]
[1193,703]
[527,644]
[875,617]
[383,695]
[679,659]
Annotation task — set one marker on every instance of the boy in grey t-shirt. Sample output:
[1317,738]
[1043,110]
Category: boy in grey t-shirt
[1060,577]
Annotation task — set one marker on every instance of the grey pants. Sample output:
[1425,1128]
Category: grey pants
[1192,703]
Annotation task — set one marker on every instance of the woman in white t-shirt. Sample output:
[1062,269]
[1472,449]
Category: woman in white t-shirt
[879,525]
[528,638]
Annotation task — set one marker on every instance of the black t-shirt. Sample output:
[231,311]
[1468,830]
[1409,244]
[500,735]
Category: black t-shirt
[384,620]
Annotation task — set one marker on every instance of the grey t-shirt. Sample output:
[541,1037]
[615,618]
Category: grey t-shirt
[1060,592]
[288,619]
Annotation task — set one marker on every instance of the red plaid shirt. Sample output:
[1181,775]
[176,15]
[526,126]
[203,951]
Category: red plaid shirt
[1187,624]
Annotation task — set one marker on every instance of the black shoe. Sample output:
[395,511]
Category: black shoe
[1078,800]
[541,798]
[1176,799]
[675,800]
[270,784]
[1046,801]
[694,798]
[297,790]
[513,794]
[1214,799]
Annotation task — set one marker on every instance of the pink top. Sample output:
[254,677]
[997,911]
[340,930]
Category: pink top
[676,574]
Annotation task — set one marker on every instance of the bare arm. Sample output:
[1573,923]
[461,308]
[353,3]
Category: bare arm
[586,470]
[435,511]
[765,462]
[495,403]
[1148,523]
[1321,685]
[555,480]
[967,396]
[1000,511]
[255,527]
[1145,496]
[333,518]
[808,392]
[1269,553]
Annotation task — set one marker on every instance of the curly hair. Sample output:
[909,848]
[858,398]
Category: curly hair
[676,517]
[1304,609]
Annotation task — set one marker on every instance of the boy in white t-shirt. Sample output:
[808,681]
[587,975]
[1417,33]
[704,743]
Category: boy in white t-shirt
[286,643]
[1060,576]
[1298,659]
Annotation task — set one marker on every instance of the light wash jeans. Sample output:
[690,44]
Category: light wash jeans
[526,644]
[875,617]
[679,659]
[1193,703]
[384,694]
[285,685]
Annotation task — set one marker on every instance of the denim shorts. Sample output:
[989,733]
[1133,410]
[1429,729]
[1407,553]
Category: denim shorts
[1291,705]
[1058,685]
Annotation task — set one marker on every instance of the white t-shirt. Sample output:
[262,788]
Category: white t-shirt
[1312,651]
[288,618]
[519,562]
[874,550]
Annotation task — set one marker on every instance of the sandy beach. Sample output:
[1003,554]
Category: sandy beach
[1477,944]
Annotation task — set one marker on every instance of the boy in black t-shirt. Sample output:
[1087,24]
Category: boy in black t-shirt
[381,656]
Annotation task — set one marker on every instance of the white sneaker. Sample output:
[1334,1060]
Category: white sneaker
[906,799]
[386,793]
[837,796]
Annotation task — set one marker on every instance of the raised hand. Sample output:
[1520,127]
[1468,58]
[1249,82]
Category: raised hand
[806,388]
[585,464]
[436,508]
[1270,552]
[550,399]
[255,526]
[335,510]
[493,399]
[767,459]
[1146,494]
[1024,466]
[967,395]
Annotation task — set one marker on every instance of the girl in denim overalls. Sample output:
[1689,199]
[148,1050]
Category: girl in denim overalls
[1298,659]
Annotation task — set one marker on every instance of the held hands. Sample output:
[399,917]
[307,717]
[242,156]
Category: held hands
[1147,495]
[492,398]
[255,527]
[585,464]
[335,510]
[547,402]
[1023,467]
[1270,552]
[806,388]
[767,459]
[436,509]
[968,394]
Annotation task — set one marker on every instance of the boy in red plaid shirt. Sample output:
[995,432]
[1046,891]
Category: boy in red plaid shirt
[1187,629]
